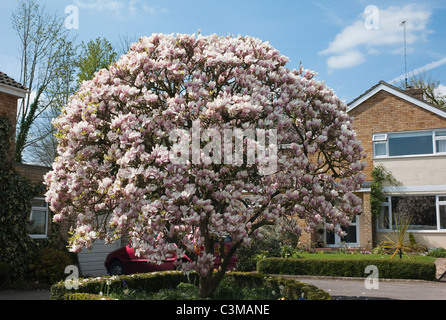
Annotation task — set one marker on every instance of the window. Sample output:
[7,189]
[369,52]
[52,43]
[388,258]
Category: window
[404,144]
[427,212]
[440,141]
[409,143]
[38,220]
[380,145]
[350,238]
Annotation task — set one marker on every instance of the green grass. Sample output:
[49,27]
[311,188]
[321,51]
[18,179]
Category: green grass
[358,256]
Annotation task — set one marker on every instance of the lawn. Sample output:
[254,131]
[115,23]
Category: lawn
[354,256]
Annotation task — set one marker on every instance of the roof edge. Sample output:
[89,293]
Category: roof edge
[384,86]
[18,92]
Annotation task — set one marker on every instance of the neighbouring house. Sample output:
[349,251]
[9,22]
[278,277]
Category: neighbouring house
[11,92]
[92,263]
[407,137]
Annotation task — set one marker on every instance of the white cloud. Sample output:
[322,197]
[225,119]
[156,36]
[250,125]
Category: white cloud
[100,5]
[422,69]
[441,90]
[359,39]
[117,6]
[346,60]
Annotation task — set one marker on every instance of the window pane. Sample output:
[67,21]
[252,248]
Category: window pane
[383,218]
[38,203]
[440,134]
[442,217]
[422,210]
[379,137]
[442,198]
[351,234]
[441,145]
[37,222]
[380,148]
[401,145]
[330,237]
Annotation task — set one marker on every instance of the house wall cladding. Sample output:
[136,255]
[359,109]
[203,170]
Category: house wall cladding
[385,112]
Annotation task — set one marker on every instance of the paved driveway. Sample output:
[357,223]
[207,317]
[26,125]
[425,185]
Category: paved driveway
[25,295]
[355,289]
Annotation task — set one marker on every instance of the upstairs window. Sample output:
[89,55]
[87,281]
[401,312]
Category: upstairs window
[38,219]
[440,141]
[409,143]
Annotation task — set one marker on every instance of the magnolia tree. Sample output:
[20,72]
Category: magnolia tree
[188,139]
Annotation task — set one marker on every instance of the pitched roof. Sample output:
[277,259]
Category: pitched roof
[384,86]
[9,85]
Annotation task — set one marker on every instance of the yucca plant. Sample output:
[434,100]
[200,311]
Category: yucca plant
[396,238]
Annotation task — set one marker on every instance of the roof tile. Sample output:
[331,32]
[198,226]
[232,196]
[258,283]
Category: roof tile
[5,79]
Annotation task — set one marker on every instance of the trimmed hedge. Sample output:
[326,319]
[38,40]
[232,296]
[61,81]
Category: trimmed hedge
[151,282]
[148,282]
[388,269]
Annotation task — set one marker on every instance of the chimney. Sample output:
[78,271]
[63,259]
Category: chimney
[415,92]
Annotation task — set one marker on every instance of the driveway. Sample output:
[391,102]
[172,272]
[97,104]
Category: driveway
[355,289]
[25,295]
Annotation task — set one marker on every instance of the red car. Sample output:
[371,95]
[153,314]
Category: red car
[124,261]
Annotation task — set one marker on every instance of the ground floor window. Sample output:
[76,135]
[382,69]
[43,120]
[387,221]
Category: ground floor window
[38,219]
[351,238]
[427,212]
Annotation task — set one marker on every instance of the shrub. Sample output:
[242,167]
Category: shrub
[388,269]
[16,194]
[49,264]
[437,253]
[415,247]
[275,243]
[4,272]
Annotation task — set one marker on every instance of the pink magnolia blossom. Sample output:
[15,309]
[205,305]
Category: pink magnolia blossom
[113,172]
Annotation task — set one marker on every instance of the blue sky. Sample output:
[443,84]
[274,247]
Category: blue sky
[351,45]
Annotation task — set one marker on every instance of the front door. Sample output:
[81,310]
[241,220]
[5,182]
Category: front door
[350,240]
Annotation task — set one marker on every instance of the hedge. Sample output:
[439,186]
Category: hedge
[387,269]
[89,289]
[148,282]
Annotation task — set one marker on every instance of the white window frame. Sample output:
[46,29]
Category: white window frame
[438,138]
[383,138]
[46,210]
[388,204]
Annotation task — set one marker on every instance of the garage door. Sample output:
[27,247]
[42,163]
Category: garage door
[92,261]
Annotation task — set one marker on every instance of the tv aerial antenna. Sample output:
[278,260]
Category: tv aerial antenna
[403,23]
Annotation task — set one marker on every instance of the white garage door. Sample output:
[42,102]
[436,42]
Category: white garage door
[92,261]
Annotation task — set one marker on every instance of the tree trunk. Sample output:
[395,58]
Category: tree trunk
[209,283]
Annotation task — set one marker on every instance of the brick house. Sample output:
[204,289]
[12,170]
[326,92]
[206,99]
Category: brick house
[407,136]
[10,92]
